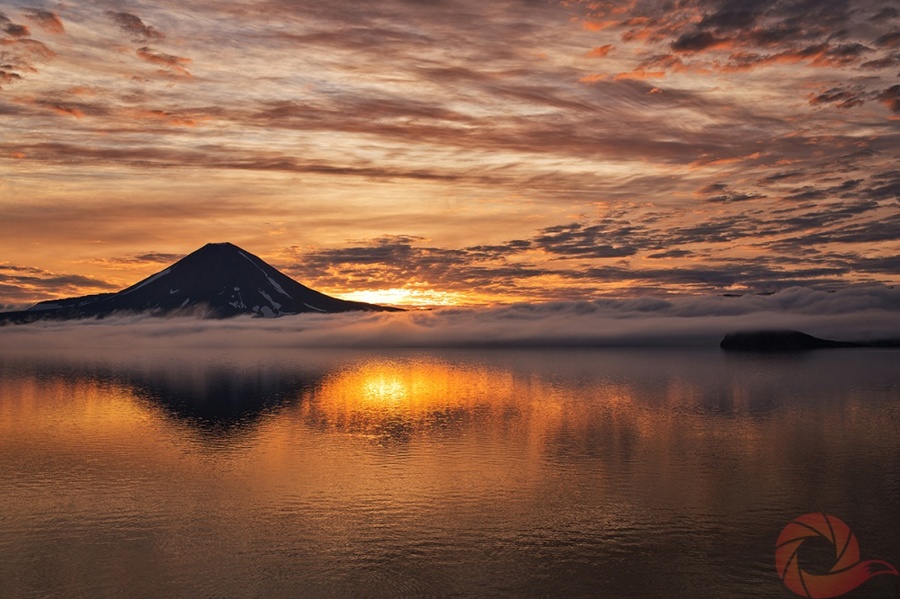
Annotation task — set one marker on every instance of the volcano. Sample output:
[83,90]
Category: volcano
[220,280]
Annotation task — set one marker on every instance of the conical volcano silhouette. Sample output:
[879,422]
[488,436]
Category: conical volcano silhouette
[219,280]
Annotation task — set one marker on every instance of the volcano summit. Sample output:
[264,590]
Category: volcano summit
[220,280]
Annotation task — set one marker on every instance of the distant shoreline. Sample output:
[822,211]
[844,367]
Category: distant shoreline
[789,340]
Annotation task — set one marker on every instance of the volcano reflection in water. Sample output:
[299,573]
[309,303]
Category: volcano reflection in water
[566,473]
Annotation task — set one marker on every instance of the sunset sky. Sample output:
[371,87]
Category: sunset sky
[453,151]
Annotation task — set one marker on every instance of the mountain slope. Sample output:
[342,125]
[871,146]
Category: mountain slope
[219,280]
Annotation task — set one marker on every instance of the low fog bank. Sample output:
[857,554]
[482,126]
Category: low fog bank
[863,313]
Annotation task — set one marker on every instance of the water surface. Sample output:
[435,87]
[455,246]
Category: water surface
[534,473]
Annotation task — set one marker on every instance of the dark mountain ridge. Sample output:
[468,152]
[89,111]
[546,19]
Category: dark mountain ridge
[219,280]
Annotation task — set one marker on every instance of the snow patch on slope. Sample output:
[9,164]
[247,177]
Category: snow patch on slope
[239,302]
[272,281]
[275,304]
[278,287]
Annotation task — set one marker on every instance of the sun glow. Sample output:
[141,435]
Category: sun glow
[409,297]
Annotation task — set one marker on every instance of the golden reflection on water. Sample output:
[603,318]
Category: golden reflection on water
[67,411]
[424,392]
[413,390]
[519,425]
[411,386]
[485,469]
[398,399]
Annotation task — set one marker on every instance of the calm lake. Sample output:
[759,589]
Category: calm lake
[601,473]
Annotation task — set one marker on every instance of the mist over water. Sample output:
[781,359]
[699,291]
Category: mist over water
[468,473]
[852,314]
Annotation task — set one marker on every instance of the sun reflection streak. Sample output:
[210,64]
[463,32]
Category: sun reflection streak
[414,387]
[385,388]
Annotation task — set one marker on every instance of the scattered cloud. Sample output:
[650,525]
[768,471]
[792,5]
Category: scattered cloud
[890,97]
[12,29]
[20,285]
[47,20]
[171,64]
[606,256]
[892,39]
[600,51]
[21,56]
[134,26]
[732,36]
[148,259]
[8,77]
[499,151]
[721,192]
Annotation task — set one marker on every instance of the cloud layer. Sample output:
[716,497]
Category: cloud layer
[512,150]
[854,314]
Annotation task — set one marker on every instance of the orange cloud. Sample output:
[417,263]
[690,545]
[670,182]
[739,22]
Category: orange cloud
[16,30]
[588,79]
[640,74]
[600,51]
[712,161]
[66,110]
[170,118]
[32,47]
[8,77]
[598,25]
[47,20]
[174,64]
[637,21]
[700,42]
[640,35]
[82,91]
[891,98]
[133,24]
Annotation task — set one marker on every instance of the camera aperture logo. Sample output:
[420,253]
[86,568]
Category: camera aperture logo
[847,573]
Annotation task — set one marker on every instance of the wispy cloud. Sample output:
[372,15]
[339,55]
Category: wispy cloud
[521,149]
[48,20]
[134,26]
[19,285]
[730,36]
[171,64]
